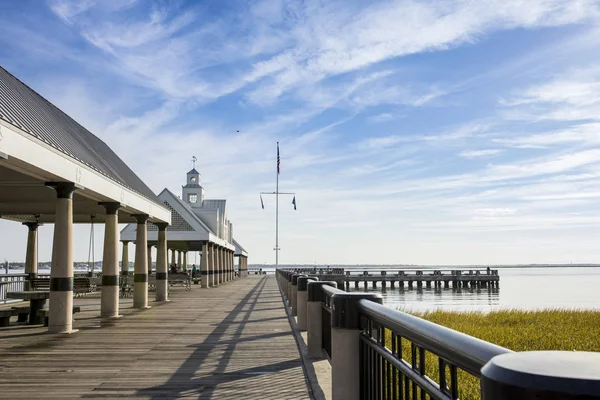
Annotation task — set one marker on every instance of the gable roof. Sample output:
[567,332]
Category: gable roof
[25,109]
[190,215]
[239,250]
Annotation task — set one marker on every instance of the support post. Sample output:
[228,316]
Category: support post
[295,294]
[204,267]
[225,265]
[149,252]
[184,261]
[313,317]
[31,264]
[345,344]
[60,314]
[179,256]
[213,265]
[125,258]
[302,301]
[222,265]
[109,300]
[140,289]
[162,271]
[219,265]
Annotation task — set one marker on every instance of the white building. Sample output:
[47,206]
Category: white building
[197,224]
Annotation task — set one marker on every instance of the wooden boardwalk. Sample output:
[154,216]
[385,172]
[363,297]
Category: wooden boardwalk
[231,342]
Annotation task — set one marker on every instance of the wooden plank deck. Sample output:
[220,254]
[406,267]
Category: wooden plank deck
[232,342]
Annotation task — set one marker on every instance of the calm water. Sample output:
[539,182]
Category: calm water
[521,288]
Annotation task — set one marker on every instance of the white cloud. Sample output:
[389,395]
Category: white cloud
[315,40]
[493,212]
[572,95]
[383,117]
[67,10]
[479,153]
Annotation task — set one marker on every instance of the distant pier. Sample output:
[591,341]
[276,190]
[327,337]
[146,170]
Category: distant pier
[456,279]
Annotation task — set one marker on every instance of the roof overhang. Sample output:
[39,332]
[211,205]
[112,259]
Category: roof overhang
[27,163]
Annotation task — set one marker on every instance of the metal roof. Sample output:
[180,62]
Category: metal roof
[239,249]
[27,110]
[213,204]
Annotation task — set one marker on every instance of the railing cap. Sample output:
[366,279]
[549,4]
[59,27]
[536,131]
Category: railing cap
[314,289]
[344,308]
[303,282]
[295,278]
[542,375]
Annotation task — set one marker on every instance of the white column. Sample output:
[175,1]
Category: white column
[60,314]
[214,280]
[161,263]
[204,267]
[140,290]
[149,251]
[220,264]
[109,301]
[125,258]
[226,262]
[31,265]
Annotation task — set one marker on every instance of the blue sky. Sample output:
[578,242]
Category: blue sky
[434,132]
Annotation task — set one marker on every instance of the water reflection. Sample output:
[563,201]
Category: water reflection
[522,288]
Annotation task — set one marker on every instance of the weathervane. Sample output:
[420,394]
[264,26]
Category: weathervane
[194,159]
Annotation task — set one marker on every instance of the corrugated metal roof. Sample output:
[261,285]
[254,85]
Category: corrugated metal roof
[213,204]
[239,247]
[27,110]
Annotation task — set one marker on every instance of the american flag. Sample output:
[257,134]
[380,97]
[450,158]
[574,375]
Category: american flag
[278,159]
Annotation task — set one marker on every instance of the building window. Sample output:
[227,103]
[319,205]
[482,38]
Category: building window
[192,198]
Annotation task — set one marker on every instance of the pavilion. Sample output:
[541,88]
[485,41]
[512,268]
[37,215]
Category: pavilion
[53,170]
[198,225]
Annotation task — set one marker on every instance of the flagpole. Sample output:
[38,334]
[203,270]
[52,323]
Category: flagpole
[277,213]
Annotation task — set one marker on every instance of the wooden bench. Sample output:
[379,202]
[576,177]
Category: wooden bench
[5,317]
[125,288]
[40,283]
[180,279]
[44,313]
[22,313]
[81,286]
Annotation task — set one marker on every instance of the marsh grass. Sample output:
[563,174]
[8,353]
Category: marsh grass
[518,330]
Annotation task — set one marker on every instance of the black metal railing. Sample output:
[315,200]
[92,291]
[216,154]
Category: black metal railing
[406,357]
[11,283]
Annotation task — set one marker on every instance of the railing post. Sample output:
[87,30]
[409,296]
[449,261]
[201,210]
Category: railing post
[302,300]
[541,375]
[288,288]
[345,344]
[295,293]
[313,317]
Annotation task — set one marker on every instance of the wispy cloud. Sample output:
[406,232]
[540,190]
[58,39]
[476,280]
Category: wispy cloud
[383,117]
[330,81]
[480,153]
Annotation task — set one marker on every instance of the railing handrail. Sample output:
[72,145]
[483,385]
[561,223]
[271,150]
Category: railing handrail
[330,290]
[464,351]
[14,276]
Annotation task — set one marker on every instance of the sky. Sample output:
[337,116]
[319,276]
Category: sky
[421,132]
